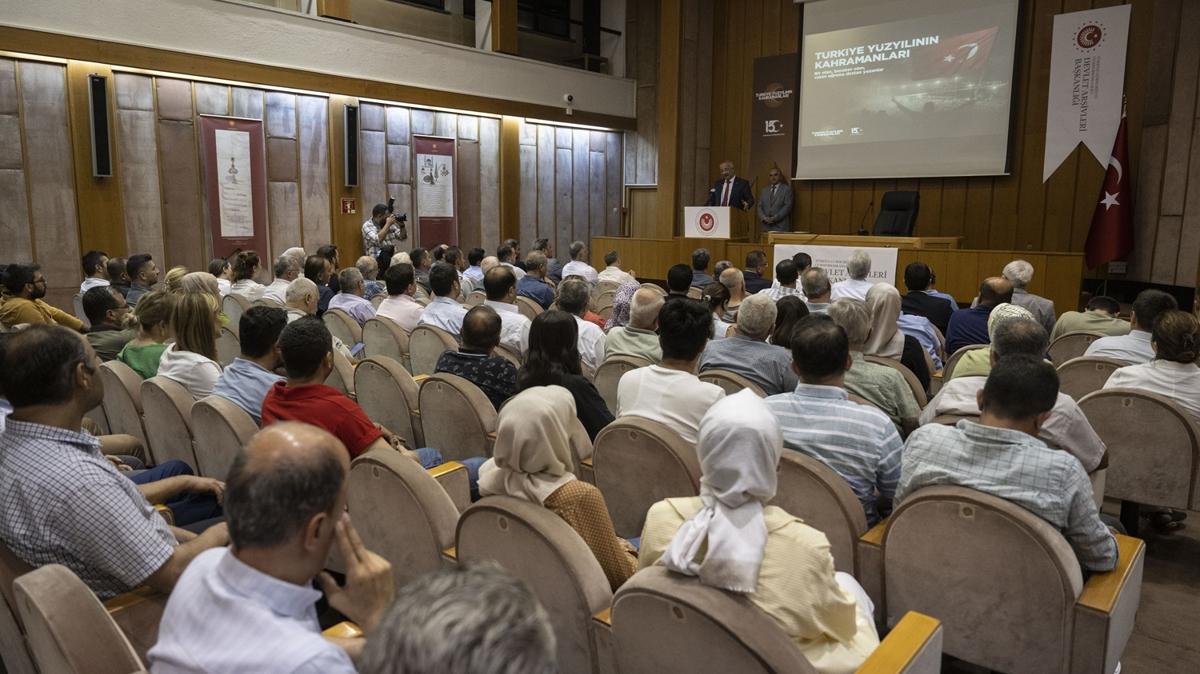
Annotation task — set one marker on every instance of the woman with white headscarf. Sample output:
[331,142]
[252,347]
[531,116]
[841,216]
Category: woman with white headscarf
[732,540]
[539,438]
[886,339]
[978,362]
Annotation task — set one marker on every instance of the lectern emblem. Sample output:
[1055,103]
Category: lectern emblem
[707,222]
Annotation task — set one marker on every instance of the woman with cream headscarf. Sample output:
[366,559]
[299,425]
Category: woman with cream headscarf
[538,440]
[978,362]
[732,540]
[886,340]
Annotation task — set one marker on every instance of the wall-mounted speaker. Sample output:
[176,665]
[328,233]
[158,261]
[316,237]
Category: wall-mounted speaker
[98,115]
[350,167]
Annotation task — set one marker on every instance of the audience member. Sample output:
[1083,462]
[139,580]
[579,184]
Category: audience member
[817,290]
[534,284]
[173,279]
[700,275]
[1135,347]
[927,336]
[369,268]
[464,619]
[732,540]
[302,301]
[246,381]
[882,386]
[473,272]
[329,251]
[287,269]
[192,359]
[107,311]
[95,271]
[669,391]
[444,311]
[857,441]
[886,339]
[143,274]
[969,326]
[475,360]
[1019,273]
[400,307]
[679,280]
[578,265]
[716,296]
[920,300]
[553,360]
[143,353]
[24,288]
[501,287]
[622,301]
[613,272]
[734,282]
[538,439]
[223,273]
[287,500]
[553,267]
[63,501]
[788,311]
[638,339]
[747,353]
[245,270]
[516,256]
[317,270]
[118,276]
[720,267]
[786,276]
[1101,316]
[1174,372]
[978,362]
[1001,455]
[350,299]
[858,269]
[573,297]
[507,254]
[383,229]
[756,262]
[200,282]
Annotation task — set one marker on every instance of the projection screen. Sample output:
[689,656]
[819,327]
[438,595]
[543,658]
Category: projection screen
[905,88]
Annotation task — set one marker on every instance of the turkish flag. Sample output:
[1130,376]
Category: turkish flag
[965,54]
[1111,234]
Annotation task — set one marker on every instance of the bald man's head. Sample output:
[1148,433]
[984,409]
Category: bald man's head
[288,474]
[644,308]
[481,328]
[498,282]
[995,290]
[488,262]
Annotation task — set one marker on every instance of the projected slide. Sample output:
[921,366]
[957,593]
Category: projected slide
[910,89]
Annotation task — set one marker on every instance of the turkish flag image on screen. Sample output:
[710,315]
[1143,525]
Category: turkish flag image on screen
[962,55]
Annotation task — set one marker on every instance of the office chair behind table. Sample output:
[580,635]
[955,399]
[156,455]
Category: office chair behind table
[897,214]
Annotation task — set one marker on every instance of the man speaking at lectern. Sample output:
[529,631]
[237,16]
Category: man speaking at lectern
[731,190]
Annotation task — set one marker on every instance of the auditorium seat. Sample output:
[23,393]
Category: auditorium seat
[667,622]
[383,337]
[609,374]
[390,397]
[730,382]
[602,296]
[541,549]
[167,415]
[233,306]
[457,418]
[509,354]
[605,286]
[378,299]
[342,326]
[14,652]
[913,383]
[425,345]
[812,491]
[1071,345]
[656,288]
[603,306]
[228,346]
[1153,450]
[267,302]
[948,369]
[1005,584]
[1083,375]
[123,400]
[67,628]
[220,429]
[401,512]
[342,376]
[639,462]
[77,306]
[476,298]
[99,418]
[528,308]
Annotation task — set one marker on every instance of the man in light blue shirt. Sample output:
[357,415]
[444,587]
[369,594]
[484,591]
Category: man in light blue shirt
[350,299]
[1135,347]
[251,607]
[247,379]
[444,311]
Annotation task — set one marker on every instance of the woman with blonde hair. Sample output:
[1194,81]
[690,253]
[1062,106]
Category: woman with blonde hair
[153,314]
[192,359]
[174,278]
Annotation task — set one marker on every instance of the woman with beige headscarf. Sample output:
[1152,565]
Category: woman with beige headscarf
[730,539]
[978,362]
[538,440]
[886,340]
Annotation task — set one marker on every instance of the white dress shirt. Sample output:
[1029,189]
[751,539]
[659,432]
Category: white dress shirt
[520,273]
[854,289]
[591,343]
[673,398]
[225,616]
[1066,428]
[195,372]
[248,288]
[277,291]
[1132,348]
[92,282]
[223,285]
[444,313]
[514,328]
[402,310]
[1178,381]
[616,275]
[580,268]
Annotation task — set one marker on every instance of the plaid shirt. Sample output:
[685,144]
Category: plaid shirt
[1016,467]
[62,502]
[778,292]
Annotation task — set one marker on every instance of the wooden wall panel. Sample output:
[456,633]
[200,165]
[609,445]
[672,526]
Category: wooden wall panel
[185,235]
[372,170]
[313,115]
[545,187]
[397,125]
[1183,107]
[489,180]
[281,115]
[422,121]
[247,103]
[580,179]
[140,195]
[596,196]
[212,99]
[529,196]
[97,199]
[613,184]
[445,124]
[174,99]
[467,179]
[371,117]
[283,222]
[14,216]
[563,198]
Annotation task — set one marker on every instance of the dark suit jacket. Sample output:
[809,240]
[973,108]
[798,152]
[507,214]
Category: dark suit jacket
[936,309]
[738,192]
[755,282]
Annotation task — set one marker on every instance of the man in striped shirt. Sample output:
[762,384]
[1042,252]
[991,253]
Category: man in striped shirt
[857,441]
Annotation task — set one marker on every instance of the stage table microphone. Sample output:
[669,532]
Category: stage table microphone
[862,230]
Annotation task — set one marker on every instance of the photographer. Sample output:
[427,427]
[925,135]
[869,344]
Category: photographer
[383,229]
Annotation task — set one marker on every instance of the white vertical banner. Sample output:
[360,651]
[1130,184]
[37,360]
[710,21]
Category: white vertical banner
[1087,83]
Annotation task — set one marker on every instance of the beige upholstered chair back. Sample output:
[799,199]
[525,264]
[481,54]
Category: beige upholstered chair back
[267,302]
[389,396]
[1002,580]
[948,370]
[609,374]
[1083,375]
[378,299]
[13,649]
[918,391]
[383,337]
[228,346]
[77,308]
[167,413]
[68,629]
[538,547]
[953,419]
[221,429]
[528,308]
[656,288]
[98,417]
[1071,345]
[401,512]
[342,326]
[605,287]
[342,376]
[457,418]
[604,307]
[476,298]
[816,494]
[731,382]
[639,462]
[233,306]
[668,622]
[509,354]
[123,399]
[695,293]
[1153,447]
[425,345]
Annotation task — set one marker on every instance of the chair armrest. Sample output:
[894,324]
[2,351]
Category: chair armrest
[868,566]
[453,478]
[138,613]
[166,512]
[602,634]
[1105,610]
[450,553]
[587,471]
[914,646]
[420,379]
[588,462]
[343,630]
[604,617]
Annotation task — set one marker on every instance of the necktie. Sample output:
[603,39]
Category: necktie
[725,193]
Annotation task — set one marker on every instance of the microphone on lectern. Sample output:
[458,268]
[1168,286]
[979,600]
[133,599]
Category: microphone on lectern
[862,230]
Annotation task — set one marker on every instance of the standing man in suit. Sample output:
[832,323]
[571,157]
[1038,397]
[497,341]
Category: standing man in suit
[730,190]
[775,204]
